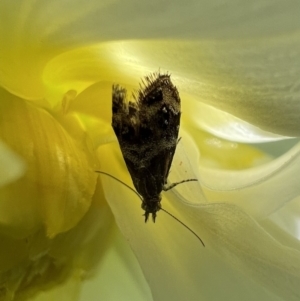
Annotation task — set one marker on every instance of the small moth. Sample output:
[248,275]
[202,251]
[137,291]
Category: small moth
[147,130]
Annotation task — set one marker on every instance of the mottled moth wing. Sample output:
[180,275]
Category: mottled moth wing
[147,131]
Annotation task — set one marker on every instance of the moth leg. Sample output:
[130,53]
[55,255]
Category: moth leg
[166,188]
[178,140]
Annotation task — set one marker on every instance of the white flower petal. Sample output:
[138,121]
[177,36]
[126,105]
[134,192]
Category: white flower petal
[288,218]
[244,245]
[236,258]
[224,125]
[252,80]
[120,266]
[259,190]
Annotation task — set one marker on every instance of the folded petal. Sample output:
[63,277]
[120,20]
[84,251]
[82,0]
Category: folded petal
[60,180]
[259,189]
[232,76]
[224,125]
[243,57]
[286,218]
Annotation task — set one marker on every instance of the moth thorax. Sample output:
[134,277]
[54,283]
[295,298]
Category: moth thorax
[151,206]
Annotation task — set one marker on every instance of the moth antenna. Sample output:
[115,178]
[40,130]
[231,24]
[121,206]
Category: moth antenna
[183,224]
[107,174]
[167,212]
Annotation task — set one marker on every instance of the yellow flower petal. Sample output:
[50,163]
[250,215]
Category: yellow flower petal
[59,265]
[67,291]
[223,74]
[32,32]
[60,180]
[234,68]
[214,152]
[12,165]
[239,58]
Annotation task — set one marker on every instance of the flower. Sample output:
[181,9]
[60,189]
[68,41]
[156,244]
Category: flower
[236,68]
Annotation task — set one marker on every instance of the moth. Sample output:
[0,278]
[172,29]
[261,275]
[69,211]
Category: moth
[147,131]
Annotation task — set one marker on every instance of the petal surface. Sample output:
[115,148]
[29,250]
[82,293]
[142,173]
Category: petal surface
[60,179]
[231,259]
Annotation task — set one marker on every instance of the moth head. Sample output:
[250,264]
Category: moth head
[151,206]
